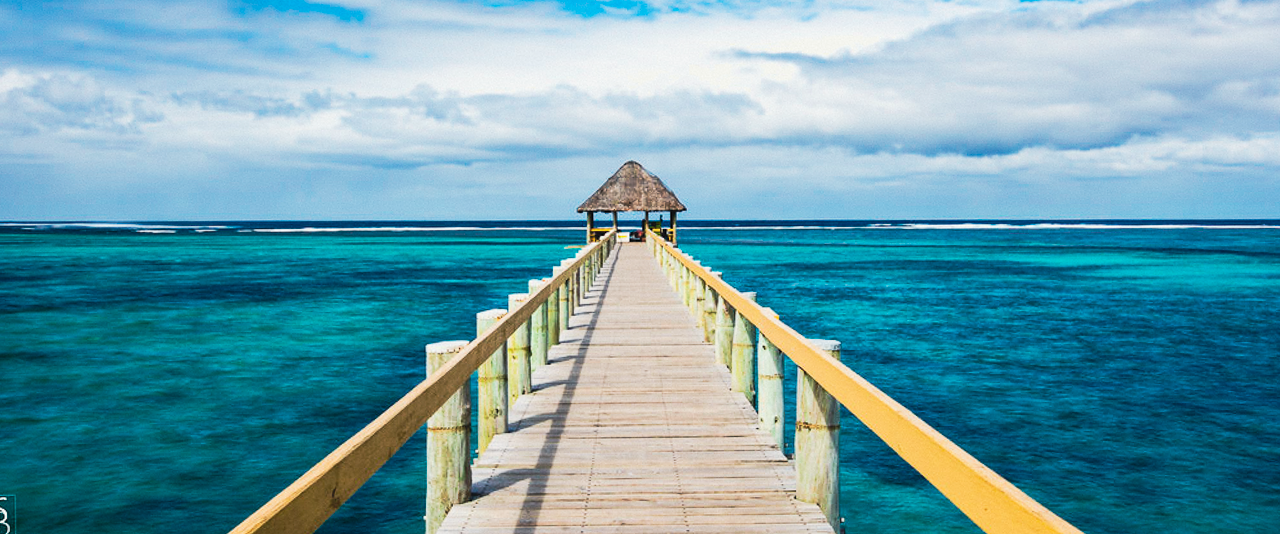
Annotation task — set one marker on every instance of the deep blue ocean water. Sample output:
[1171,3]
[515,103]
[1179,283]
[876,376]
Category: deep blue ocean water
[170,377]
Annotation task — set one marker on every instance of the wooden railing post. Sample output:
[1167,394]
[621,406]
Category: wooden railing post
[448,443]
[698,287]
[594,267]
[575,290]
[682,285]
[565,309]
[537,331]
[818,441]
[709,304]
[769,375]
[724,333]
[518,372]
[588,272]
[579,276]
[686,287]
[744,354]
[553,315]
[675,271]
[492,380]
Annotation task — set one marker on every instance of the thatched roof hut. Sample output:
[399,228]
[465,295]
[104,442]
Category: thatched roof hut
[632,188]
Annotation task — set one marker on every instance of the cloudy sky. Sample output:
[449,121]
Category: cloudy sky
[504,109]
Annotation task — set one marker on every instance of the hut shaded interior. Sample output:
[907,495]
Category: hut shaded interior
[632,188]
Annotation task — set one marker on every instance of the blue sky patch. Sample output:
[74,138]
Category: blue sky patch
[589,8]
[245,7]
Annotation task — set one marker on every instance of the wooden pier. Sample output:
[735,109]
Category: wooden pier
[617,397]
[632,427]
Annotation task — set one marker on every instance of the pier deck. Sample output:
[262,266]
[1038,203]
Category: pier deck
[632,428]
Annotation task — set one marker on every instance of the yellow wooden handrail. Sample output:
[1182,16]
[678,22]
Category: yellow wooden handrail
[990,501]
[312,498]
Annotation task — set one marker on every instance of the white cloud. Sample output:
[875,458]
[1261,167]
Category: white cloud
[35,104]
[892,96]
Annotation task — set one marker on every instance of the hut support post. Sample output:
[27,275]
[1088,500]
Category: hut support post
[448,443]
[591,224]
[744,354]
[818,441]
[615,220]
[769,374]
[492,381]
[673,228]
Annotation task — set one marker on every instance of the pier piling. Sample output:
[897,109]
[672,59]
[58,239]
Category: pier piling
[518,372]
[553,315]
[744,354]
[818,441]
[537,331]
[448,440]
[709,304]
[770,396]
[492,381]
[724,333]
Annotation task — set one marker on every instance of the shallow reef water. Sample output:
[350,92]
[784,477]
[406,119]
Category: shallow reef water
[160,377]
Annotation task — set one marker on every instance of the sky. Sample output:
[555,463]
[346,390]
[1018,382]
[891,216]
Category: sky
[139,110]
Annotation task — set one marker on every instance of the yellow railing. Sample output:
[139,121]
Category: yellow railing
[317,494]
[990,501]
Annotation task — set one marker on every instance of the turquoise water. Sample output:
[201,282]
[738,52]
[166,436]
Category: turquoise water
[1128,378]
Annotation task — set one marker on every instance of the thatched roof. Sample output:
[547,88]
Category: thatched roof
[632,188]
